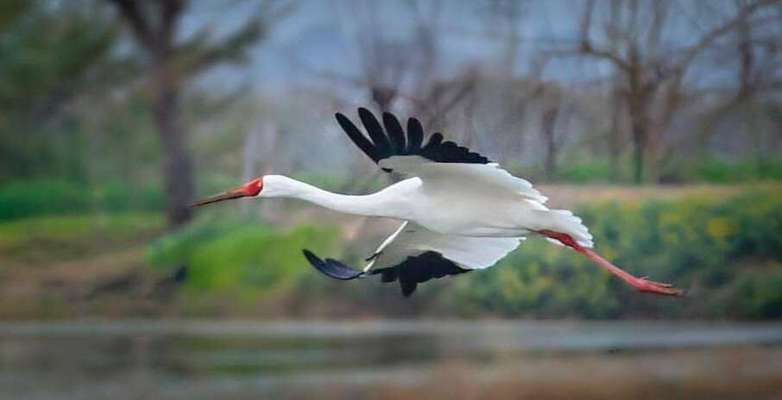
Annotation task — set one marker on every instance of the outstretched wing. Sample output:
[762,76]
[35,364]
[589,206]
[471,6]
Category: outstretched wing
[437,162]
[414,255]
[390,139]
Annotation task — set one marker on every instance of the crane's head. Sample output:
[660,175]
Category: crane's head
[250,189]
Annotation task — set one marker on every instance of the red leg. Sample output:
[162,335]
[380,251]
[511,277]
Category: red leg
[642,284]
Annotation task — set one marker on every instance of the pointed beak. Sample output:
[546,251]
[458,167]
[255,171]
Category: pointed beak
[249,189]
[229,195]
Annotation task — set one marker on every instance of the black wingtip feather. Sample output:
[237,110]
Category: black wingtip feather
[415,135]
[376,133]
[409,273]
[434,141]
[332,268]
[408,287]
[418,269]
[390,139]
[357,137]
[395,133]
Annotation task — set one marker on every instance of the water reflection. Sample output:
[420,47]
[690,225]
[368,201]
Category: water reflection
[146,359]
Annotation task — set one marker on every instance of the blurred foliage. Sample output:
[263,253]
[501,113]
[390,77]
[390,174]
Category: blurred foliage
[758,294]
[46,196]
[27,198]
[716,170]
[241,256]
[47,239]
[727,251]
[594,171]
[707,169]
[35,197]
[50,53]
[80,174]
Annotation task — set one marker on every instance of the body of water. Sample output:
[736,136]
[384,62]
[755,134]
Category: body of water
[385,359]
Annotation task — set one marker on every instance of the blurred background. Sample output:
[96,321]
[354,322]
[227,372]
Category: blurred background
[658,122]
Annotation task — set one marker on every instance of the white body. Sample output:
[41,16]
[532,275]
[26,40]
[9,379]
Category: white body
[473,214]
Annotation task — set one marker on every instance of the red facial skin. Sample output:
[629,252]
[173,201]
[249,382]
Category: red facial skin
[252,188]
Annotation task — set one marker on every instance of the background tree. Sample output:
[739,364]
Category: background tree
[754,59]
[50,54]
[650,69]
[171,62]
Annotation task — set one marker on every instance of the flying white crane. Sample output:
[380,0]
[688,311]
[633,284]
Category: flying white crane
[459,211]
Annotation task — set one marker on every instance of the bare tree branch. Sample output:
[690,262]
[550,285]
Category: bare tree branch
[132,13]
[588,48]
[170,9]
[197,54]
[705,41]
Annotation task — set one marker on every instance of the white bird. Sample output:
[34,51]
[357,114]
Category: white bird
[459,211]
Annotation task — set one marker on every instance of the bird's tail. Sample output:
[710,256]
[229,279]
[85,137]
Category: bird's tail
[565,221]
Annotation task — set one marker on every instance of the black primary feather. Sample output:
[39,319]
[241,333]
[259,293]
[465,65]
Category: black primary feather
[395,133]
[357,137]
[376,133]
[410,272]
[390,139]
[415,136]
[332,268]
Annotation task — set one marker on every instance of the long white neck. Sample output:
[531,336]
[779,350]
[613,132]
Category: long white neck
[380,204]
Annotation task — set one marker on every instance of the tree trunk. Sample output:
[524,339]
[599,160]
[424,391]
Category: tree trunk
[549,123]
[639,146]
[615,133]
[177,167]
[637,105]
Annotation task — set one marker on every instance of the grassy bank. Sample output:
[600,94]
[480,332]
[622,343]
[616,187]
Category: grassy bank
[724,243]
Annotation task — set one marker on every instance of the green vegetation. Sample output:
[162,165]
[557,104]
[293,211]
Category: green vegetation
[728,251]
[240,255]
[584,172]
[56,197]
[48,239]
[716,170]
[106,124]
[32,197]
[41,197]
[48,56]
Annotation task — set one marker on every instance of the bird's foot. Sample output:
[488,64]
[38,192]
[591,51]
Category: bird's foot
[643,284]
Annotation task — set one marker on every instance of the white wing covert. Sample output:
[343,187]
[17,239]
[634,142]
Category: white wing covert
[435,161]
[467,252]
[413,255]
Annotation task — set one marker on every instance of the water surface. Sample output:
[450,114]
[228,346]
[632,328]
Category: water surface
[191,359]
